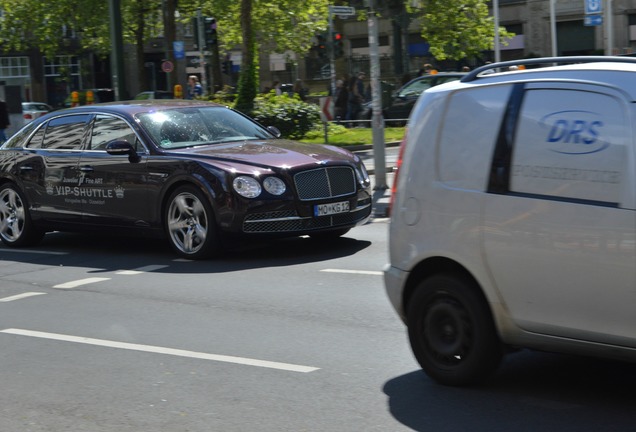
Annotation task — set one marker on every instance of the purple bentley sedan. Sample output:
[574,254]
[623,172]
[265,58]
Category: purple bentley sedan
[192,172]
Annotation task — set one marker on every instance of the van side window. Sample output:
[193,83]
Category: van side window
[571,145]
[468,136]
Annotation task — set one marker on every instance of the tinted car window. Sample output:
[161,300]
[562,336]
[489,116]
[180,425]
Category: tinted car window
[17,140]
[415,88]
[109,128]
[65,133]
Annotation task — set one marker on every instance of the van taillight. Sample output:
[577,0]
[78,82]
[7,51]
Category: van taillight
[398,165]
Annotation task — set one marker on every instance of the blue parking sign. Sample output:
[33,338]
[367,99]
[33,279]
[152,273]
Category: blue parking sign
[593,6]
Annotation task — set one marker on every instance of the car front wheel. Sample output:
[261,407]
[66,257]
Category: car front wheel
[190,224]
[451,331]
[16,228]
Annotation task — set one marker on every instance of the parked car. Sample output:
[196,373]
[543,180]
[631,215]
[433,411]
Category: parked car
[33,110]
[401,103]
[155,94]
[190,171]
[514,216]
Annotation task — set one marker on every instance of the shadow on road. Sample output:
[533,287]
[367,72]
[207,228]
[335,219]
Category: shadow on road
[531,392]
[114,253]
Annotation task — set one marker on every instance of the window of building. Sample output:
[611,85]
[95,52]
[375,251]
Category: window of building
[14,67]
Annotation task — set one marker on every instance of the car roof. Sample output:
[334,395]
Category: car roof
[613,70]
[133,107]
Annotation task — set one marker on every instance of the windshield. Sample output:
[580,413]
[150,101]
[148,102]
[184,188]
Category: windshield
[188,127]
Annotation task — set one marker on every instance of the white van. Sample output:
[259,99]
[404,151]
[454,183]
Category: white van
[514,216]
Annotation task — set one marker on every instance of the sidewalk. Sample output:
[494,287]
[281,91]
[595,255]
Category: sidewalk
[381,193]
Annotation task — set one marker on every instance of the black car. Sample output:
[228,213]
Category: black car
[193,172]
[400,105]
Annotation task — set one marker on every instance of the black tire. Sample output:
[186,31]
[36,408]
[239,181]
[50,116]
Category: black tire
[329,235]
[452,332]
[190,224]
[16,227]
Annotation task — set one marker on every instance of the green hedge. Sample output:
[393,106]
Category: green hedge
[293,117]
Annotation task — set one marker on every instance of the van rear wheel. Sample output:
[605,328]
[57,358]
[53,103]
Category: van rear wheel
[451,331]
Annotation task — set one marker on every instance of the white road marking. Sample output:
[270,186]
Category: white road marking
[21,296]
[33,251]
[80,282]
[141,270]
[161,350]
[364,272]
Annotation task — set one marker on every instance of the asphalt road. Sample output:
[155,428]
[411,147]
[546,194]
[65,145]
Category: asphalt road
[112,334]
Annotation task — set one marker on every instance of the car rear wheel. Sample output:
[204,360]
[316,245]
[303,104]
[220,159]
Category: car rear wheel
[451,331]
[190,224]
[16,228]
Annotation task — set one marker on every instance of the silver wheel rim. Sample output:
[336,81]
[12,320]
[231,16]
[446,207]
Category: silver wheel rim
[12,215]
[187,223]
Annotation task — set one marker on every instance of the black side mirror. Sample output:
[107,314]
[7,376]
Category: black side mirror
[122,147]
[274,131]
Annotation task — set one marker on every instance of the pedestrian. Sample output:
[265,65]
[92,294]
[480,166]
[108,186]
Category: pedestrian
[341,100]
[300,90]
[4,120]
[194,87]
[427,69]
[355,96]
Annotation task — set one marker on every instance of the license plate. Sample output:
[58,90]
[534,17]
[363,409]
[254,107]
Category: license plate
[331,208]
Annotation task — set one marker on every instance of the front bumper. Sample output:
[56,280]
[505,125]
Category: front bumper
[293,221]
[394,282]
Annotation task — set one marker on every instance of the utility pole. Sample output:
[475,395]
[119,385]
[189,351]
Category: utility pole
[377,122]
[201,46]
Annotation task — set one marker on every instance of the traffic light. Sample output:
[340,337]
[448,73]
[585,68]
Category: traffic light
[210,31]
[321,46]
[338,51]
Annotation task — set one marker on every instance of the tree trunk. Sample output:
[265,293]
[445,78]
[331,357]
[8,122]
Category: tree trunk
[247,79]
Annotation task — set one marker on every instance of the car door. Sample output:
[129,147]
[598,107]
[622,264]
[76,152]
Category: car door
[114,188]
[560,219]
[49,169]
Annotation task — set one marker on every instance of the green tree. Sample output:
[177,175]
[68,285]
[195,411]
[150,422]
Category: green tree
[46,26]
[456,29]
[261,27]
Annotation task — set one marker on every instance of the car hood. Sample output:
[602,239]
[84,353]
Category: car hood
[276,153]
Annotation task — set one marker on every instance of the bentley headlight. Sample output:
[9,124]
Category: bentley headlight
[247,186]
[274,185]
[361,172]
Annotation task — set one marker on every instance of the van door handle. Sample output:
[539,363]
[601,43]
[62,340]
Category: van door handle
[87,168]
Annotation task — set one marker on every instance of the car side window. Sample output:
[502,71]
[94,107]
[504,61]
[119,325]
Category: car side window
[109,128]
[65,133]
[415,89]
[463,151]
[571,144]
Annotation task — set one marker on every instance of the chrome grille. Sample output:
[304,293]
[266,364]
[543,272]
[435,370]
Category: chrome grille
[289,221]
[326,182]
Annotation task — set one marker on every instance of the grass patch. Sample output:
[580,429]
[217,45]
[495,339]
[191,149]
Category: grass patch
[342,136]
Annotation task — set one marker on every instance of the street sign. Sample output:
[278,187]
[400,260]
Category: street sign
[343,10]
[593,20]
[167,66]
[593,6]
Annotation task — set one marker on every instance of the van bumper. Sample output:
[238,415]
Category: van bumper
[394,280]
